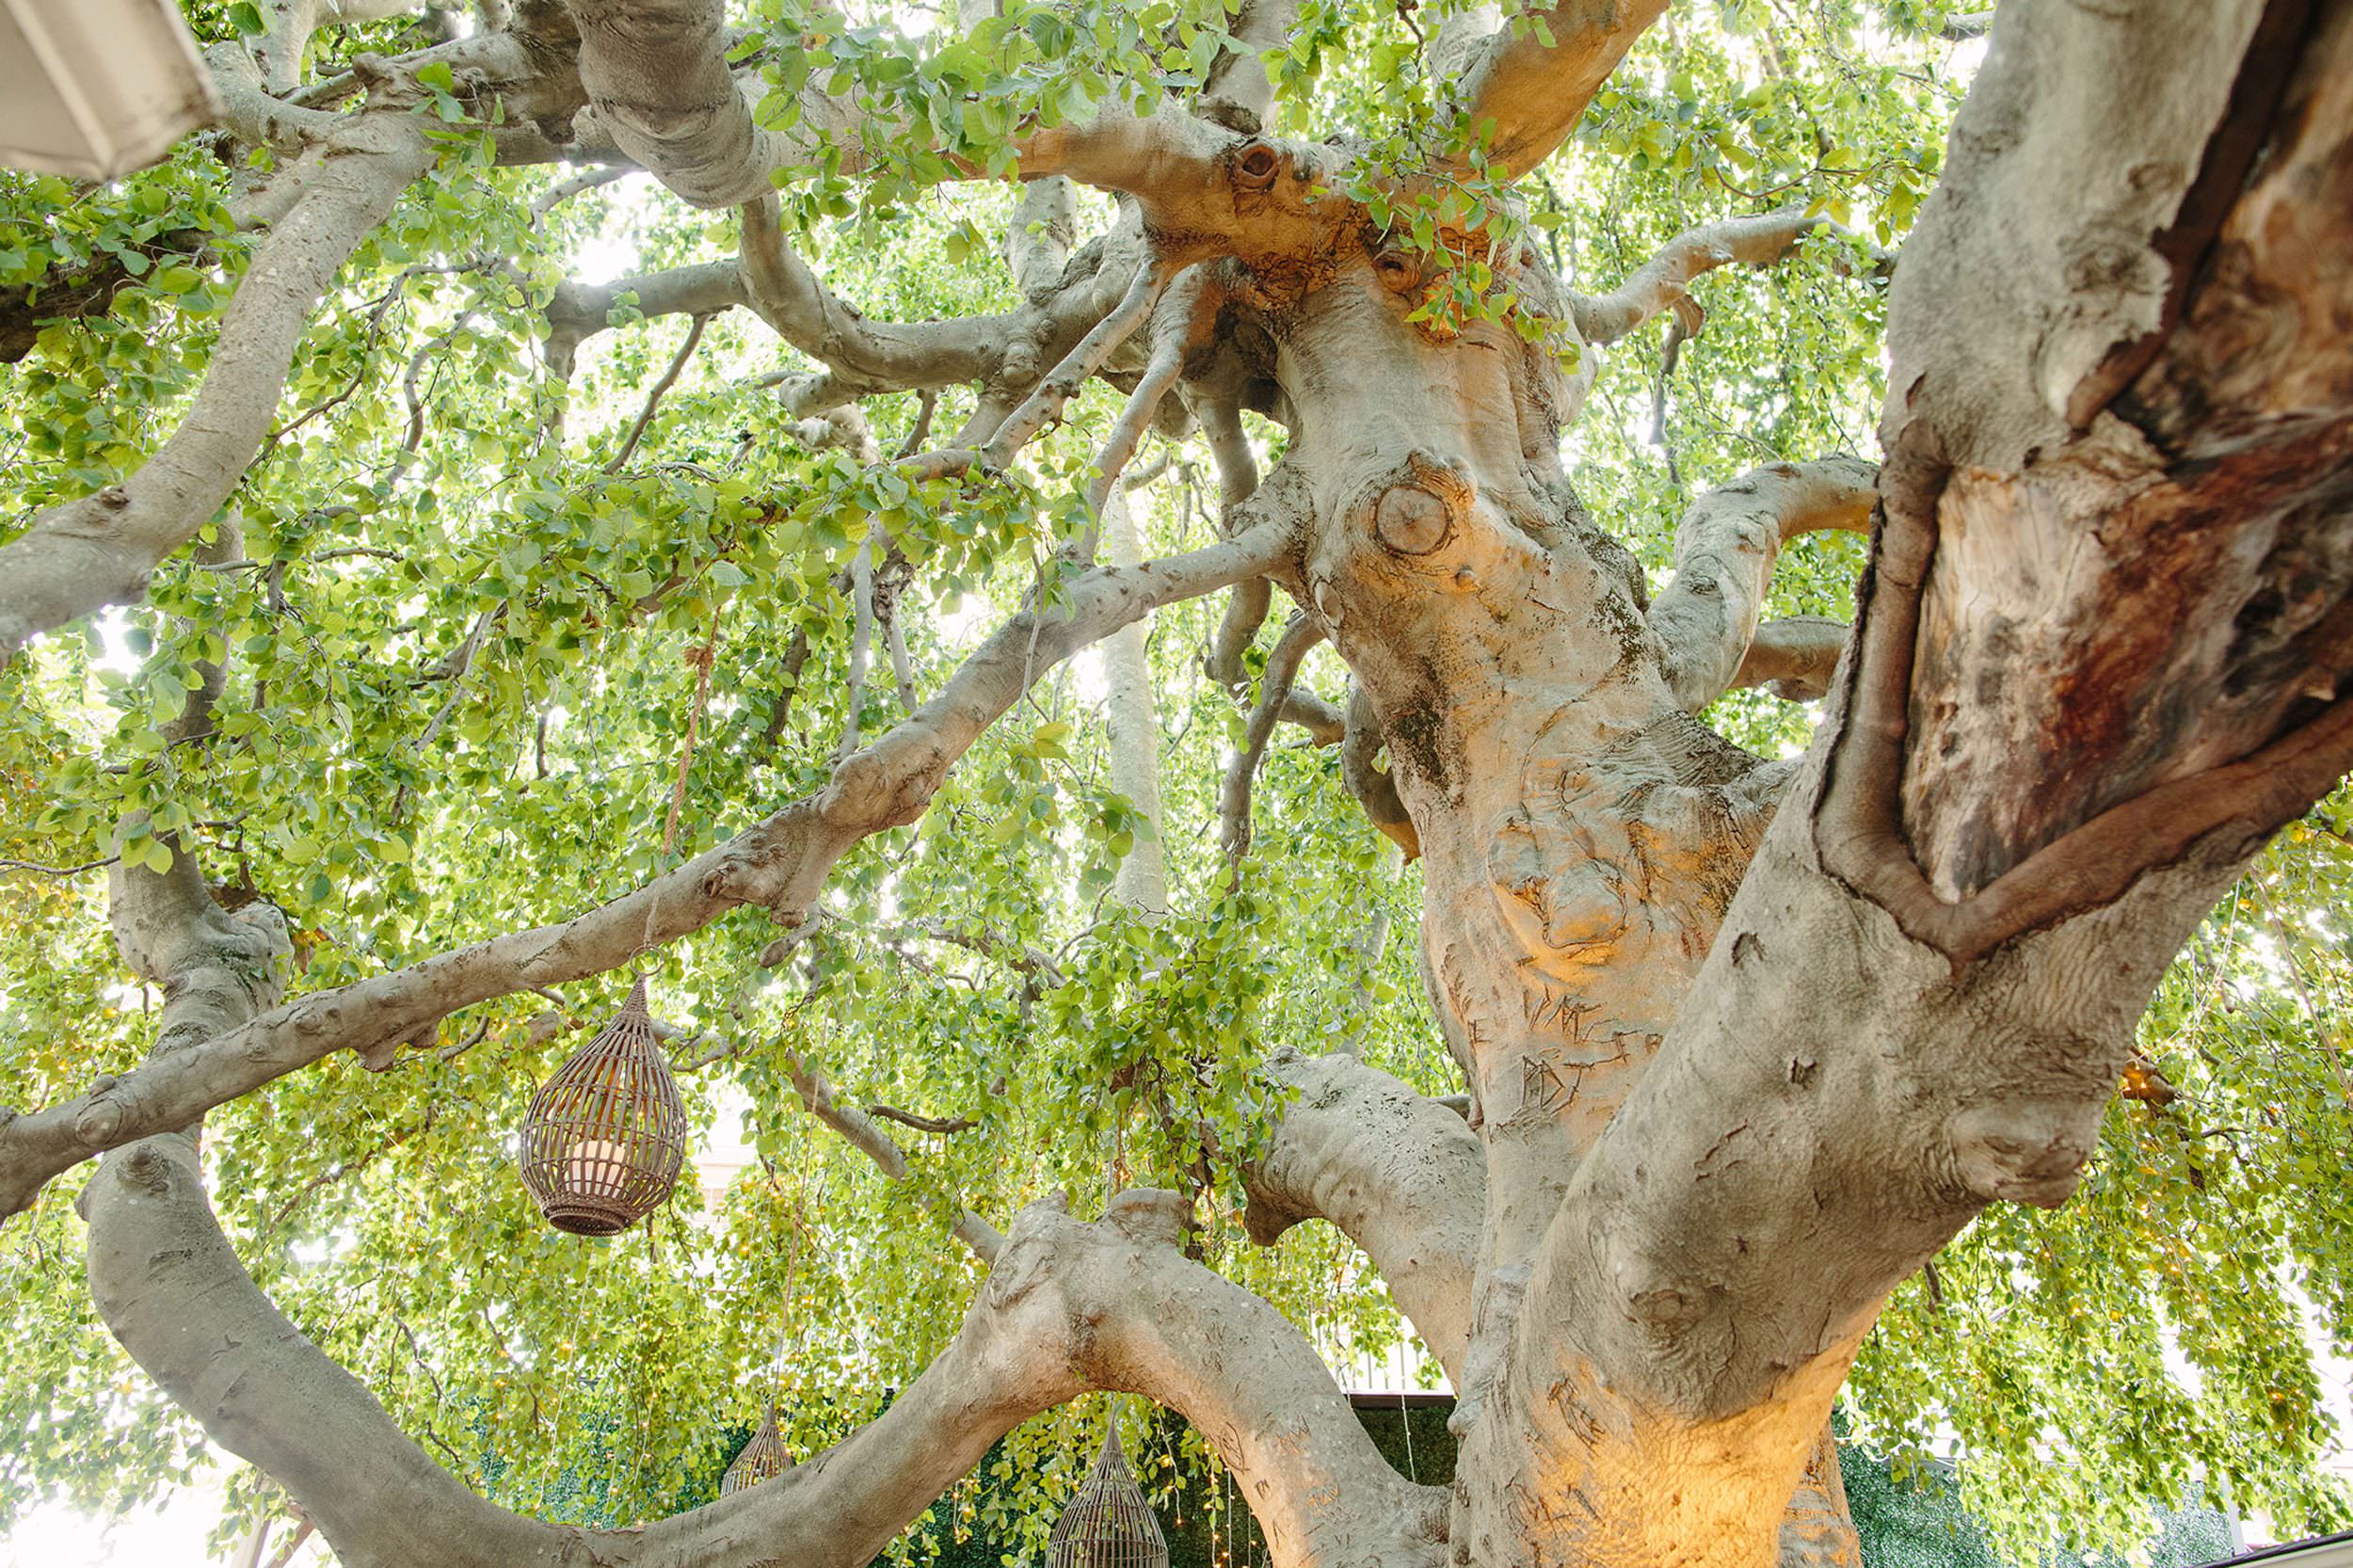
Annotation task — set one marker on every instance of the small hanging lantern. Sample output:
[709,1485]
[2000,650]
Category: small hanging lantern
[1108,1524]
[763,1458]
[605,1136]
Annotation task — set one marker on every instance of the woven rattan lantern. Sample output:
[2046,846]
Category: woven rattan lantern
[1108,1524]
[604,1138]
[762,1459]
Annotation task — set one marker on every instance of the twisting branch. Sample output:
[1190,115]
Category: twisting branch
[1070,1306]
[1236,93]
[1661,281]
[1397,1173]
[1229,448]
[1173,323]
[989,943]
[927,405]
[901,667]
[1724,551]
[289,23]
[1046,400]
[1282,668]
[409,392]
[452,668]
[865,356]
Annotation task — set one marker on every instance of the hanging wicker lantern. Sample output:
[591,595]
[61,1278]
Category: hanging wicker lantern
[763,1458]
[1108,1524]
[605,1136]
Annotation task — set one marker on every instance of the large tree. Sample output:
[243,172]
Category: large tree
[454,631]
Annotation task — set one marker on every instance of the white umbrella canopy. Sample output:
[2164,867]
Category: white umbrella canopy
[94,89]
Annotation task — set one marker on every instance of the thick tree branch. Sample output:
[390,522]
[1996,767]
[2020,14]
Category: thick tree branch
[658,83]
[83,554]
[1398,1174]
[2185,403]
[1237,92]
[289,23]
[865,354]
[778,864]
[1535,91]
[1662,281]
[1038,238]
[1793,657]
[579,311]
[1068,1307]
[1725,546]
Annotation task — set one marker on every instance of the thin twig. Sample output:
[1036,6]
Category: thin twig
[701,659]
[8,866]
[564,191]
[1282,668]
[922,1124]
[661,389]
[928,404]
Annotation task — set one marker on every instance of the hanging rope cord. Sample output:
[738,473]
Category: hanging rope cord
[701,657]
[792,1269]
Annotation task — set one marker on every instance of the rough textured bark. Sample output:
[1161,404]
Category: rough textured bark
[1736,1062]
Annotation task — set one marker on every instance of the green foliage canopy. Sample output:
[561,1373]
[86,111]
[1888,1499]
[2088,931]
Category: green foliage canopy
[457,697]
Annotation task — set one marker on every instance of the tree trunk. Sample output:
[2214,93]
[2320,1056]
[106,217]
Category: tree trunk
[1745,1041]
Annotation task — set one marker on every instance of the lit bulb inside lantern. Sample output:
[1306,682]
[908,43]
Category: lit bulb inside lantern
[595,1164]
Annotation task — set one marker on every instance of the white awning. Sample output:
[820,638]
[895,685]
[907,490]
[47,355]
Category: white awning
[95,88]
